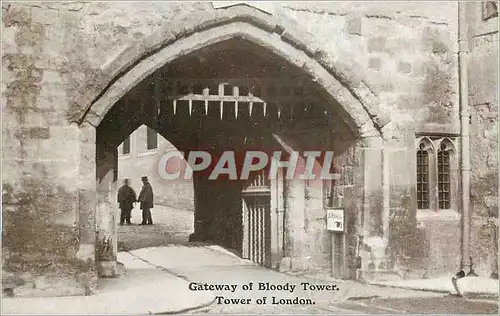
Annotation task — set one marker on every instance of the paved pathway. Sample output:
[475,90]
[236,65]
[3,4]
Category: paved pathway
[144,289]
[178,278]
[212,265]
[171,226]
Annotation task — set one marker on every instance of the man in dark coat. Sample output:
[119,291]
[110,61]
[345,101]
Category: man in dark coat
[126,200]
[146,198]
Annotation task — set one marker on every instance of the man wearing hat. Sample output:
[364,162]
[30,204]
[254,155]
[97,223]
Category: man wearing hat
[146,199]
[126,199]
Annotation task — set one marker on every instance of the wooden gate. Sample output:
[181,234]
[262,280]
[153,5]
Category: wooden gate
[256,208]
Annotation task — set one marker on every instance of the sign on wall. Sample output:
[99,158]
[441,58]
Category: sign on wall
[335,220]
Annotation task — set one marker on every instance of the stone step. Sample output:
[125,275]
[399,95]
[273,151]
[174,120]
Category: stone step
[476,286]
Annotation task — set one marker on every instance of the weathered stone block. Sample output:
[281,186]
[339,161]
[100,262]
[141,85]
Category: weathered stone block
[87,201]
[121,268]
[16,15]
[376,44]
[299,265]
[44,15]
[108,269]
[353,25]
[38,133]
[375,63]
[404,67]
[50,286]
[285,264]
[86,251]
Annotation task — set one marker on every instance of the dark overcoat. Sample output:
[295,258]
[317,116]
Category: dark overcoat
[126,197]
[146,196]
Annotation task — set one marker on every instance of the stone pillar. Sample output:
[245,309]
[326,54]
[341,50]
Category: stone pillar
[107,243]
[318,253]
[277,213]
[406,243]
[200,208]
[373,186]
[87,202]
[295,222]
[371,224]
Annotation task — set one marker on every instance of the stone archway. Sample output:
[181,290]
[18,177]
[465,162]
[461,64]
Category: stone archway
[276,33]
[358,103]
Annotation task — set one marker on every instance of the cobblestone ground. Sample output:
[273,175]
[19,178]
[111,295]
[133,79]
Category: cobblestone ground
[171,226]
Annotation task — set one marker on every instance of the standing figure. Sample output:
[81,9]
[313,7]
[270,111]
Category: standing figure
[126,199]
[146,199]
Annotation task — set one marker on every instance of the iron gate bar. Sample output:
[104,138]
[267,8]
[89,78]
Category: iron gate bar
[278,108]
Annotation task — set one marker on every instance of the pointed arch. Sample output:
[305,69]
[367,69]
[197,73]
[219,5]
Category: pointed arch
[185,35]
[446,144]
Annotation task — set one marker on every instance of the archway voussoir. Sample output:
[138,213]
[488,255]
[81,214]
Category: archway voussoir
[341,71]
[186,26]
[158,39]
[92,118]
[124,60]
[381,120]
[367,131]
[371,102]
[211,21]
[203,21]
[294,39]
[253,16]
[367,98]
[195,31]
[299,39]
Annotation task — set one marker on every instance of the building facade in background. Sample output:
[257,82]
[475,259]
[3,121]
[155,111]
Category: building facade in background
[139,155]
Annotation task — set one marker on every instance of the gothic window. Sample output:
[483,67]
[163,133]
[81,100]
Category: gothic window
[437,174]
[126,146]
[490,10]
[152,139]
[422,177]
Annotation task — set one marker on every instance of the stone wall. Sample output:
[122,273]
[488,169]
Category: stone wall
[406,53]
[483,101]
[53,56]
